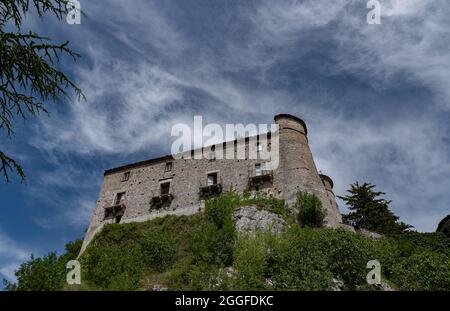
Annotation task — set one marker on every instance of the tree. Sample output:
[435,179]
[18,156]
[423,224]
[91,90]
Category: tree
[28,73]
[310,210]
[47,273]
[370,212]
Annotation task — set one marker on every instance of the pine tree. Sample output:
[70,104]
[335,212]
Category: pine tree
[28,69]
[371,212]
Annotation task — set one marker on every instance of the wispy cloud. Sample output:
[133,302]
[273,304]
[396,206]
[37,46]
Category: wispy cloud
[12,254]
[375,96]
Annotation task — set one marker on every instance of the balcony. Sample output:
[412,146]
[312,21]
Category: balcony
[161,200]
[115,211]
[260,178]
[210,190]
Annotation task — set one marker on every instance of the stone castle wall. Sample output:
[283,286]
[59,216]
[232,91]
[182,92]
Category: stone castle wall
[296,172]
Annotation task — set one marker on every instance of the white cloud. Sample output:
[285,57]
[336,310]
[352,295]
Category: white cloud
[132,103]
[12,254]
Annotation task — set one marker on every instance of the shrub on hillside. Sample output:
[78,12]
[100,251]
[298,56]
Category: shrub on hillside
[47,273]
[422,271]
[39,274]
[286,261]
[310,210]
[212,245]
[347,253]
[213,241]
[409,242]
[303,265]
[118,234]
[113,267]
[159,250]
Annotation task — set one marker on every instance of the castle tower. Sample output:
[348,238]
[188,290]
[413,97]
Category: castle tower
[297,171]
[335,214]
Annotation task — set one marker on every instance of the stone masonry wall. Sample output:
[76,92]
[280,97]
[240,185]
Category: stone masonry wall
[296,172]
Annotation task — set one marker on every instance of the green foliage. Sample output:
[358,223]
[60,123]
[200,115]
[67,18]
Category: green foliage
[422,271]
[286,261]
[29,74]
[269,203]
[219,210]
[190,275]
[114,267]
[197,253]
[410,242]
[305,265]
[310,210]
[117,234]
[370,212]
[251,263]
[347,253]
[39,274]
[159,250]
[47,273]
[213,242]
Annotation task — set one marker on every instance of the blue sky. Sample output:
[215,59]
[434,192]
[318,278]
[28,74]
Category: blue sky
[376,99]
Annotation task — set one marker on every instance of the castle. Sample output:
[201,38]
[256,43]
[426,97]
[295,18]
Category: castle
[178,186]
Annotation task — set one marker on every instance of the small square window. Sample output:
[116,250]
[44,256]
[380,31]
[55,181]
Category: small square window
[169,166]
[126,176]
[212,179]
[165,188]
[120,197]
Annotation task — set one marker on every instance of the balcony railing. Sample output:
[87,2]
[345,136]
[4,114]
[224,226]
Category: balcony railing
[161,200]
[114,211]
[210,190]
[259,179]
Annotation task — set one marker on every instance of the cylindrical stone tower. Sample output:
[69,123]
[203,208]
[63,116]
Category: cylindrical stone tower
[334,213]
[297,171]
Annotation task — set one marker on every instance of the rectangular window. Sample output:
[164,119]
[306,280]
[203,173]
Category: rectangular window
[120,197]
[126,176]
[212,179]
[169,166]
[165,188]
[258,169]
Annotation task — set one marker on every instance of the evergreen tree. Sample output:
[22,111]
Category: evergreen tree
[28,69]
[371,212]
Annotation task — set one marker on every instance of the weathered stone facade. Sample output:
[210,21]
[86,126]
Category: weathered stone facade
[165,186]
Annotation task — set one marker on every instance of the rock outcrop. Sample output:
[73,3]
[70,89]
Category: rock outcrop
[250,219]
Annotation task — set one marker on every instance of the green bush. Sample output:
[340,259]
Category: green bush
[269,203]
[213,241]
[422,271]
[118,234]
[113,267]
[47,273]
[159,250]
[310,210]
[39,274]
[213,246]
[284,261]
[189,275]
[302,264]
[410,242]
[347,253]
[219,210]
[195,253]
[251,263]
